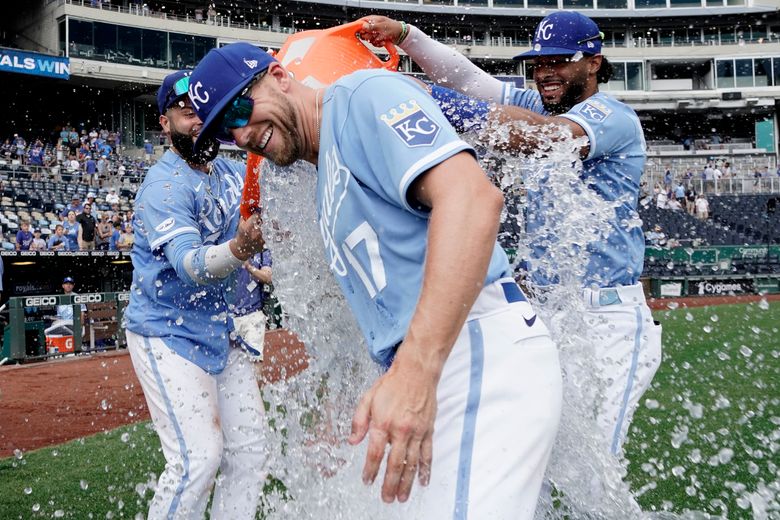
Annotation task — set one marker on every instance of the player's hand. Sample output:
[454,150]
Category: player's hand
[249,238]
[399,409]
[380,30]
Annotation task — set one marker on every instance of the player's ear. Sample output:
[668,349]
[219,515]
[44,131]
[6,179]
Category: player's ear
[165,123]
[595,63]
[280,74]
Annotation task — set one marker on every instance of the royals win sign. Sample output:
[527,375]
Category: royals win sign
[34,63]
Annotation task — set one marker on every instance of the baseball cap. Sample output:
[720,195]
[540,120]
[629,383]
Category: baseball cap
[173,87]
[90,195]
[219,77]
[564,33]
[68,279]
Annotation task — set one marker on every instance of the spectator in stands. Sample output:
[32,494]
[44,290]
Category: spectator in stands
[38,244]
[7,149]
[23,237]
[727,173]
[702,207]
[90,169]
[20,144]
[252,288]
[126,239]
[116,236]
[103,232]
[58,241]
[690,200]
[148,150]
[709,177]
[668,178]
[87,228]
[674,204]
[102,170]
[90,198]
[112,198]
[679,191]
[35,155]
[75,206]
[72,231]
[661,197]
[717,175]
[656,237]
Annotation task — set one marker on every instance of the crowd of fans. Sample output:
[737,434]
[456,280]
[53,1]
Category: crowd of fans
[91,156]
[82,230]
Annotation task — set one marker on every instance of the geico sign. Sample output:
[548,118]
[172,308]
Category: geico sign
[123,297]
[40,300]
[88,298]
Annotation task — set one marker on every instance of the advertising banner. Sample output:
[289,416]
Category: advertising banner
[34,63]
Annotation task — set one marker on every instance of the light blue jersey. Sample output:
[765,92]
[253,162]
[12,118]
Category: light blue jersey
[177,210]
[613,169]
[381,131]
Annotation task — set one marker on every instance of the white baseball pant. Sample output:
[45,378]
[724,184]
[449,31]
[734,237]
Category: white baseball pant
[499,405]
[206,423]
[628,353]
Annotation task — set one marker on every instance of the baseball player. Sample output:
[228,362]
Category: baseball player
[202,394]
[568,66]
[471,399]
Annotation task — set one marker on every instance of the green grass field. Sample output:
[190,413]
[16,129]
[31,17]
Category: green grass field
[706,436]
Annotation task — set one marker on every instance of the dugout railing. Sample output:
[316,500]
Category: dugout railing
[24,339]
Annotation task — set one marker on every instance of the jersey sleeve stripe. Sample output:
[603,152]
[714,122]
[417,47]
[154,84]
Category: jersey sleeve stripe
[588,130]
[442,153]
[171,234]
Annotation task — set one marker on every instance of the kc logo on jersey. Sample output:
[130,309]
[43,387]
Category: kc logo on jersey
[412,124]
[595,111]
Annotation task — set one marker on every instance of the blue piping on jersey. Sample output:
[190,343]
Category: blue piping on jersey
[469,422]
[629,383]
[182,447]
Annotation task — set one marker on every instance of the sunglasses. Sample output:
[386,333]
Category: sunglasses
[180,88]
[238,112]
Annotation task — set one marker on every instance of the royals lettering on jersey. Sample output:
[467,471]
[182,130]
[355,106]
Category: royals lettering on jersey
[175,205]
[380,131]
[412,124]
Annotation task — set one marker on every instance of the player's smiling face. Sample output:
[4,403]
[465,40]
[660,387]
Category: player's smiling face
[273,130]
[563,81]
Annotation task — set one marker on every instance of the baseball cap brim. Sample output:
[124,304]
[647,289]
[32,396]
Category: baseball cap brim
[210,126]
[549,51]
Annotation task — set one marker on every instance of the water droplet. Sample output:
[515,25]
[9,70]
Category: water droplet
[36,507]
[672,305]
[59,513]
[104,404]
[678,471]
[84,484]
[652,404]
[763,304]
[18,454]
[125,437]
[714,318]
[707,329]
[745,351]
[689,316]
[179,320]
[725,455]
[27,490]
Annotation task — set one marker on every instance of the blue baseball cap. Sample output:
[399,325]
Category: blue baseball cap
[219,77]
[565,33]
[173,87]
[68,279]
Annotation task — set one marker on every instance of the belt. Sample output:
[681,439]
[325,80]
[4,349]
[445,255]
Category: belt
[512,292]
[609,296]
[605,296]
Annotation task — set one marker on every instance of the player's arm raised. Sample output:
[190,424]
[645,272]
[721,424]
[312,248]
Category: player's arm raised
[400,408]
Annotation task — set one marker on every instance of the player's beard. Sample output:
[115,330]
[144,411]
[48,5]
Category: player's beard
[572,95]
[184,145]
[289,147]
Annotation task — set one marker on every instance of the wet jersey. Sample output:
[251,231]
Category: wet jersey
[381,131]
[613,169]
[178,203]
